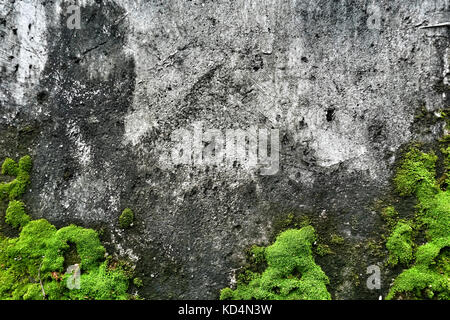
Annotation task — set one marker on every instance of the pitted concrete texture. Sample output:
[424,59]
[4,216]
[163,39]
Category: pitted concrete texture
[97,107]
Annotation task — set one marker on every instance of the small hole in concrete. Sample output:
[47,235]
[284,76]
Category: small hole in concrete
[42,96]
[330,114]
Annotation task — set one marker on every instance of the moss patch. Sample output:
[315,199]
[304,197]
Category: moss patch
[429,276]
[336,239]
[323,249]
[126,218]
[399,244]
[138,282]
[291,272]
[16,188]
[15,214]
[32,264]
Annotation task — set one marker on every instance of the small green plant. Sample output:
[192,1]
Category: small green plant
[126,218]
[291,271]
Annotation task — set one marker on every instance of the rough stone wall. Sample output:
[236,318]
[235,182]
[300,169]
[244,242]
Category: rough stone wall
[96,107]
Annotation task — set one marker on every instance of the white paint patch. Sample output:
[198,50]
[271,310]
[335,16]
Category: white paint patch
[332,148]
[82,150]
[137,124]
[32,43]
[146,21]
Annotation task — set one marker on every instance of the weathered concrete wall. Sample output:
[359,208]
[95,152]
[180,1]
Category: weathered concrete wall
[96,108]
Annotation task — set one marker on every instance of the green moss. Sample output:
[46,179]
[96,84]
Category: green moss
[323,249]
[138,282]
[445,179]
[33,292]
[291,271]
[40,249]
[421,113]
[226,294]
[126,218]
[290,220]
[429,276]
[258,254]
[445,114]
[336,239]
[375,248]
[390,215]
[445,140]
[399,244]
[246,276]
[10,167]
[415,175]
[426,274]
[37,256]
[16,188]
[101,283]
[435,215]
[25,164]
[87,244]
[15,214]
[417,279]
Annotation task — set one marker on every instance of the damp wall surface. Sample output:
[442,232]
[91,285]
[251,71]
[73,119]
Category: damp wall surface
[97,107]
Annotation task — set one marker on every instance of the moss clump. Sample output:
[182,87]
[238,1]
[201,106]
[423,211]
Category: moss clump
[10,167]
[444,181]
[429,276]
[415,175]
[375,248]
[25,164]
[126,218]
[16,188]
[399,244]
[291,272]
[390,215]
[101,283]
[323,250]
[15,214]
[32,265]
[87,243]
[258,254]
[336,239]
[38,255]
[138,282]
[424,279]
